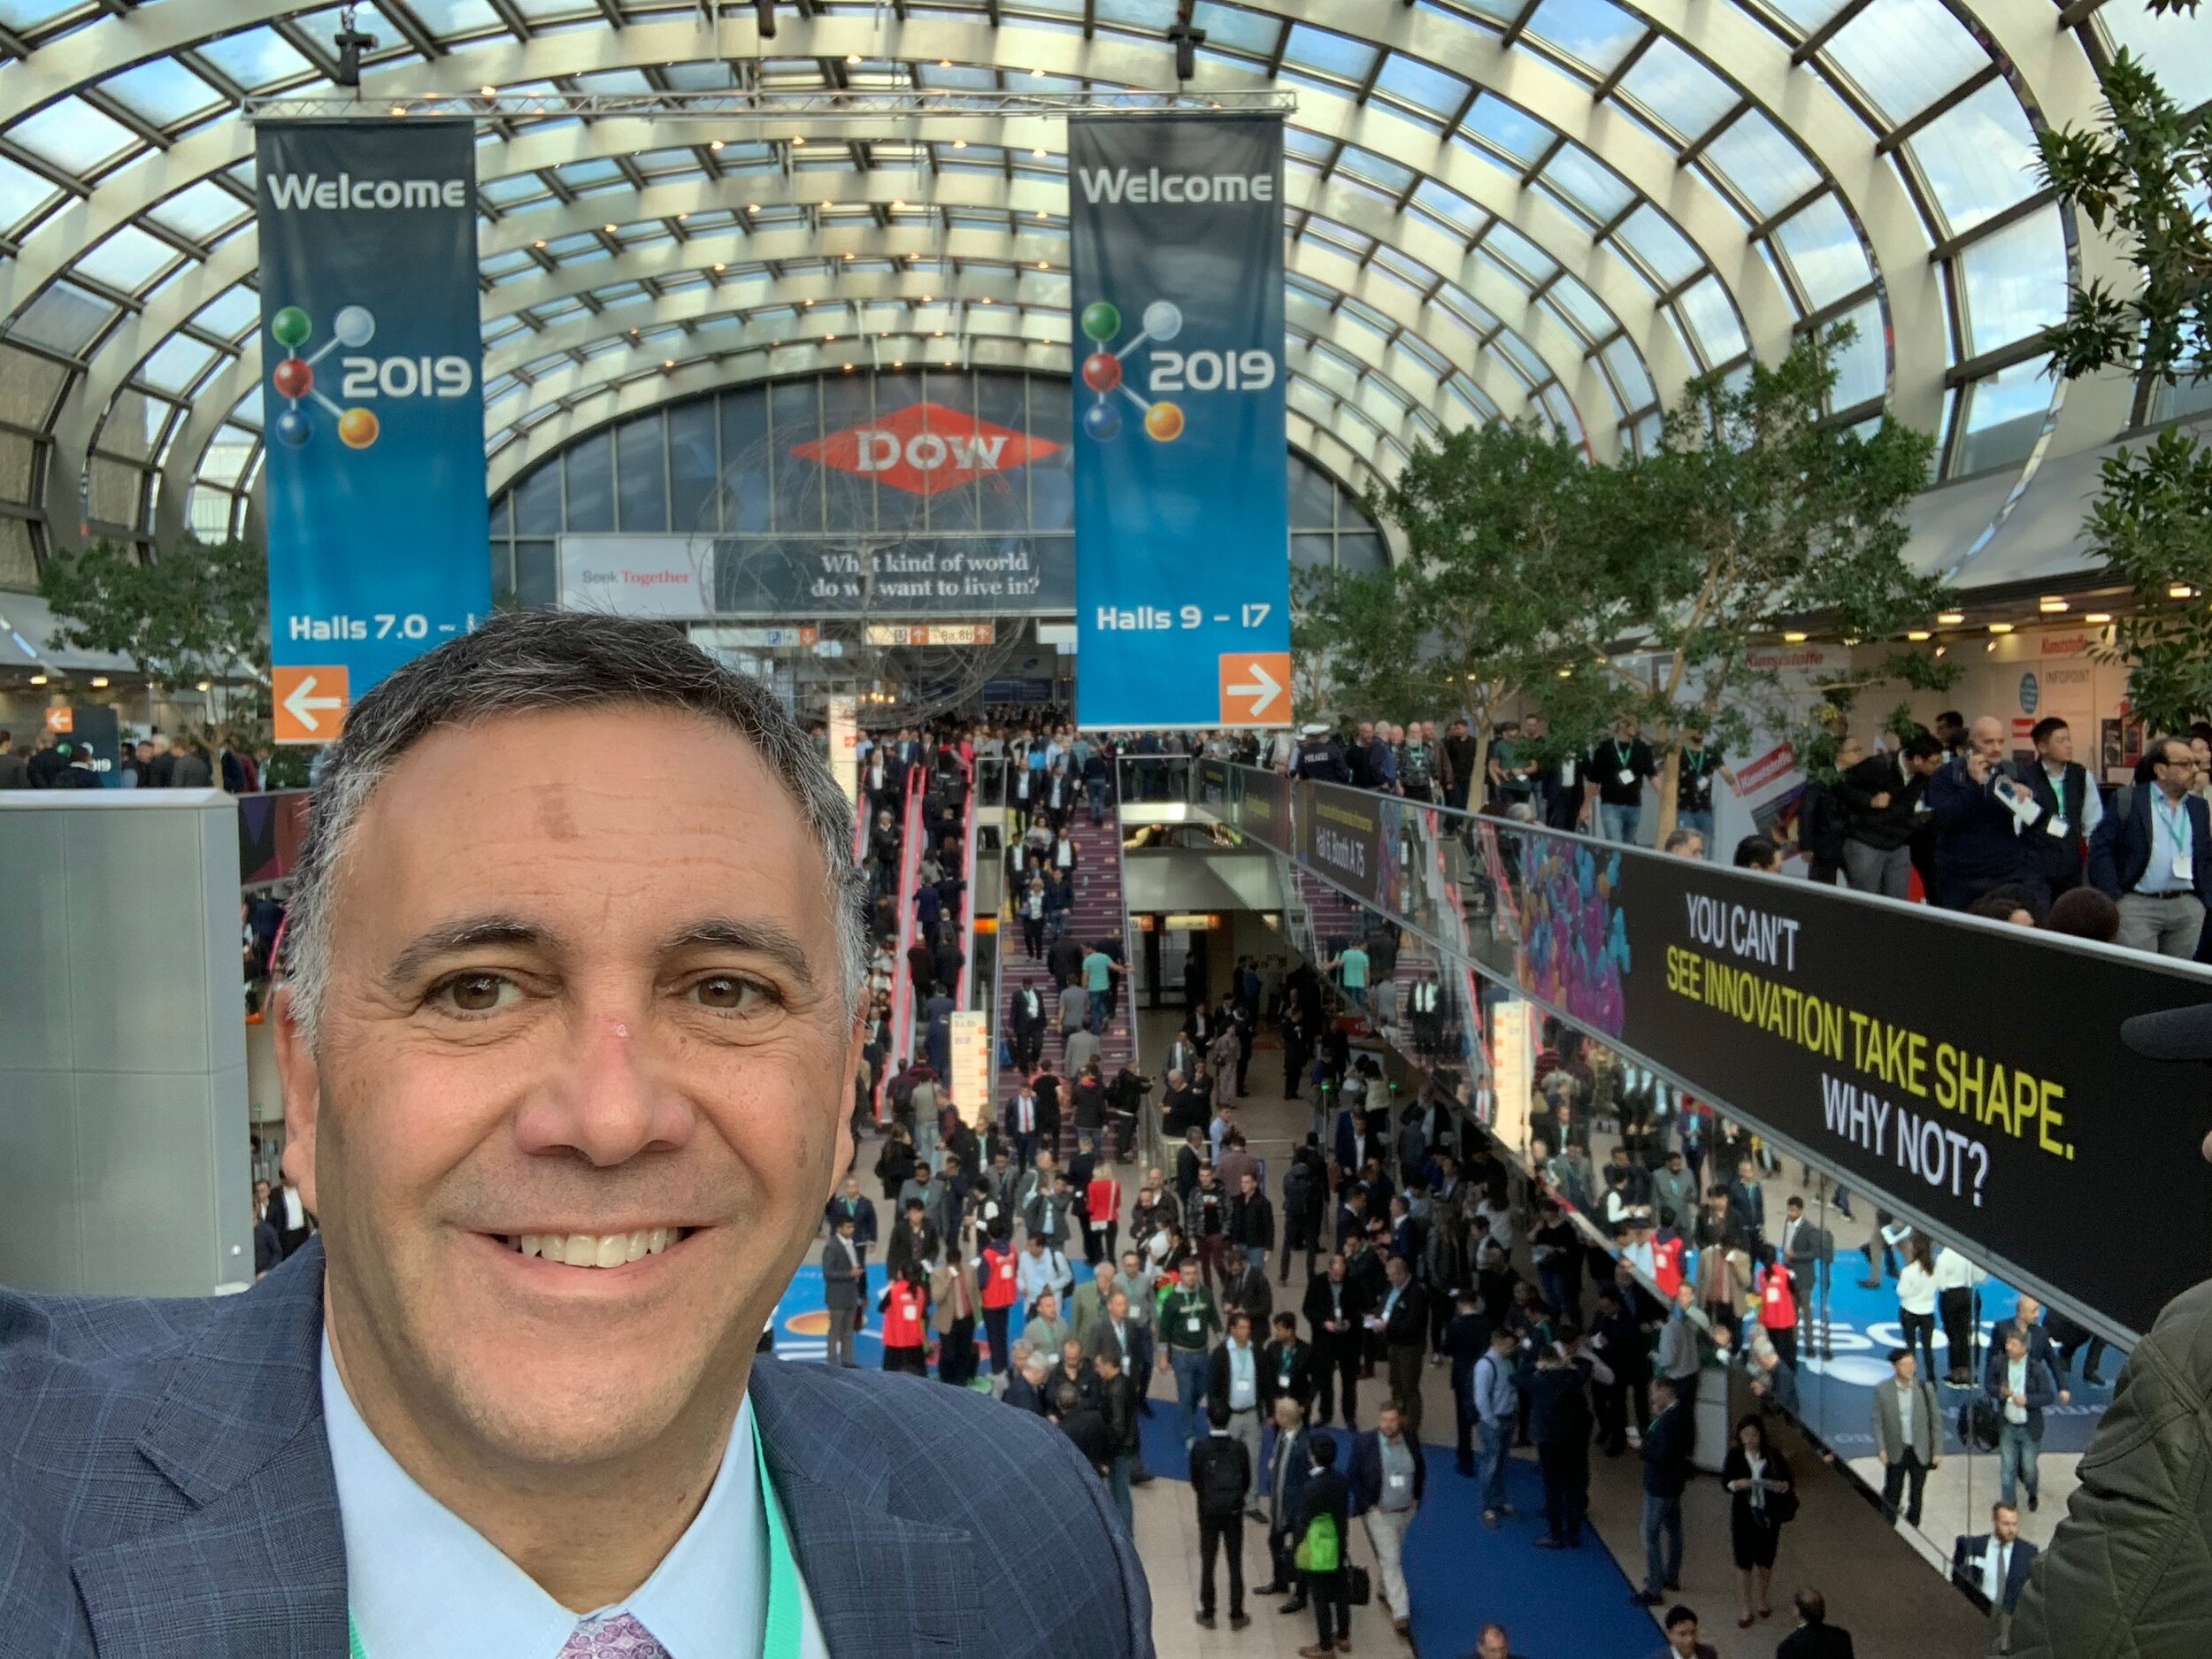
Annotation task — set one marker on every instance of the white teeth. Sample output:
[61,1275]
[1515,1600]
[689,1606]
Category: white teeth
[594,1249]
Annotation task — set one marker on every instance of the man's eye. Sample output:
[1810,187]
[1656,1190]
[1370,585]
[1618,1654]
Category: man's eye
[476,993]
[729,993]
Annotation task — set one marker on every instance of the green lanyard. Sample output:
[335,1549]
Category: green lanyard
[1621,752]
[783,1623]
[1696,759]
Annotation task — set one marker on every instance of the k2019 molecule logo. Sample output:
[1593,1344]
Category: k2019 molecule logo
[360,377]
[1249,371]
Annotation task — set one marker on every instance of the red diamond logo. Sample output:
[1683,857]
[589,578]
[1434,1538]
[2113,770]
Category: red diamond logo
[925,448]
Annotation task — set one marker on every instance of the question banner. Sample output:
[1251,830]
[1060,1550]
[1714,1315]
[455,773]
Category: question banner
[1181,504]
[371,358]
[1976,1075]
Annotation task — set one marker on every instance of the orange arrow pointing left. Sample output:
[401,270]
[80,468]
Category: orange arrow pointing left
[310,704]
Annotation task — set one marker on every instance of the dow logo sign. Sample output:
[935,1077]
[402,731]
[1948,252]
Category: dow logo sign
[926,448]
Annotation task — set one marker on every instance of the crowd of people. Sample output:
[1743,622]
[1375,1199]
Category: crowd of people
[57,760]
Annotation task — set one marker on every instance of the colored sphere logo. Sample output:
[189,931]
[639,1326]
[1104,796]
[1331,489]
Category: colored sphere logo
[1102,372]
[293,378]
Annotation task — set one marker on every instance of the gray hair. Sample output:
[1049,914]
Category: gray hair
[530,662]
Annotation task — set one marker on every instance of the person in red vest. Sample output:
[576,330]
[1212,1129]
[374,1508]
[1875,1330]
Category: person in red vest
[905,1304]
[1002,1290]
[1102,1211]
[1778,1306]
[1666,1257]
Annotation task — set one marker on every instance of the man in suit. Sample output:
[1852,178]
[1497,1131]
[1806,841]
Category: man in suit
[2072,805]
[1666,1451]
[1287,1364]
[1333,1309]
[1402,1321]
[1815,1638]
[1908,1434]
[1808,1250]
[1389,1478]
[850,1201]
[1026,1020]
[2021,1390]
[1993,1567]
[2155,859]
[1982,817]
[1286,1477]
[568,1104]
[289,1214]
[843,1283]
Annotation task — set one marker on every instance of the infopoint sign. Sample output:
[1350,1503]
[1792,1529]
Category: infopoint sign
[1181,520]
[377,517]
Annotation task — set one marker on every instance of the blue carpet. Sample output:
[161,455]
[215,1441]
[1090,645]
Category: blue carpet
[1556,1604]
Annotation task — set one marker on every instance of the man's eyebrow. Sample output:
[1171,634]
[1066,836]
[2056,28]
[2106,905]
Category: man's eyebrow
[765,939]
[495,929]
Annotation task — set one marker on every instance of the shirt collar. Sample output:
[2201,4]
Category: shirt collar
[424,1584]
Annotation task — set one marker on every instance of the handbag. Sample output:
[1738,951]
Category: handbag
[1357,1589]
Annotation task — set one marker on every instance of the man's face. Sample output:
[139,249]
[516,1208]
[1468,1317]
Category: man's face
[2175,769]
[2057,749]
[1683,1636]
[2005,1525]
[1493,1645]
[537,1025]
[1907,1368]
[1336,1269]
[260,1197]
[1988,739]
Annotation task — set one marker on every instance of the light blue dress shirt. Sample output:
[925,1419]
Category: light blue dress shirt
[2172,836]
[422,1583]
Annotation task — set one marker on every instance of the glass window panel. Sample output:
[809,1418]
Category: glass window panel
[1448,207]
[1807,15]
[1360,554]
[1519,252]
[199,212]
[2004,416]
[1978,158]
[1526,365]
[1587,183]
[231,313]
[1862,366]
[20,191]
[255,58]
[73,136]
[1905,54]
[1561,408]
[641,470]
[590,465]
[1628,373]
[538,501]
[1758,158]
[1233,28]
[1684,95]
[127,259]
[1824,252]
[177,363]
[2178,48]
[1588,314]
[162,91]
[1312,552]
[1710,317]
[537,581]
[1421,86]
[64,318]
[1519,135]
[1595,33]
[447,18]
[1392,176]
[1338,55]
[2015,281]
[692,467]
[1663,250]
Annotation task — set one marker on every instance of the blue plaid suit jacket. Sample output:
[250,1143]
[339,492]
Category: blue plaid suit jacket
[165,1490]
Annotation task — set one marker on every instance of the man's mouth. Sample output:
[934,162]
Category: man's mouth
[596,1249]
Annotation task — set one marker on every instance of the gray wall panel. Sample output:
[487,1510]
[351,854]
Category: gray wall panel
[123,1128]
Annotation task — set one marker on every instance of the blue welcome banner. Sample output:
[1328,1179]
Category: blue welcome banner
[1181,516]
[372,404]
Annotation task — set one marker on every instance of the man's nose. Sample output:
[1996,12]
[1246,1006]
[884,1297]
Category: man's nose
[614,1098]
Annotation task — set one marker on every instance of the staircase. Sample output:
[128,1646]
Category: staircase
[1096,914]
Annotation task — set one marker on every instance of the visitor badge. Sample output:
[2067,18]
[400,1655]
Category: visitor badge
[2182,870]
[2056,827]
[1397,1483]
[1192,1325]
[1567,772]
[1626,776]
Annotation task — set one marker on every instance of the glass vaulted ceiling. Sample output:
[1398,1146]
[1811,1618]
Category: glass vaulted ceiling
[1563,208]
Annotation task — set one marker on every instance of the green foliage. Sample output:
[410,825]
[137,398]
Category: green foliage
[2141,173]
[1502,525]
[2153,521]
[199,612]
[1751,510]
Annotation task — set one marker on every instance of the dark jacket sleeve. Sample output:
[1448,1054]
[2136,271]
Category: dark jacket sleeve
[2104,853]
[2124,1576]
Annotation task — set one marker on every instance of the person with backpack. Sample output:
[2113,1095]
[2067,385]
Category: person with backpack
[1324,1514]
[1220,1475]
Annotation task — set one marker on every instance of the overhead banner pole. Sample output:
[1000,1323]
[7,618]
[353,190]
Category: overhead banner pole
[1182,531]
[372,349]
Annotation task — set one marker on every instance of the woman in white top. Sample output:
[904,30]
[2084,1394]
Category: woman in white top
[1916,1299]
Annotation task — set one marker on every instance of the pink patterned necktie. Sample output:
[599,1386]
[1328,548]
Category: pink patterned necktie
[620,1637]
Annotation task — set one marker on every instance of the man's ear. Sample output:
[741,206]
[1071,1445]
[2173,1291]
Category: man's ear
[302,1082]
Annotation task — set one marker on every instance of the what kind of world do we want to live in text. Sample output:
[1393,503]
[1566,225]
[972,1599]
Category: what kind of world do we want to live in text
[1892,1067]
